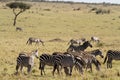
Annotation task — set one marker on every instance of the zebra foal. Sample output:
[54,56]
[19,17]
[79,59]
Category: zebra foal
[24,60]
[111,55]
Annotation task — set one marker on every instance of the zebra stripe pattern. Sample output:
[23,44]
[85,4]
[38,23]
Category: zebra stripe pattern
[111,55]
[23,60]
[67,60]
[59,59]
[96,53]
[87,58]
[73,48]
[46,59]
[76,41]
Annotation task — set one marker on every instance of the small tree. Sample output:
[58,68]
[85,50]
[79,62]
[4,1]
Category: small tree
[21,8]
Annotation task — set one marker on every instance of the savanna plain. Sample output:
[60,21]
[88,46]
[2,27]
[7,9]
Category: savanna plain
[51,21]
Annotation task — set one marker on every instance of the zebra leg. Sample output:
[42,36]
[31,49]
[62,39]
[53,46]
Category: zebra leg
[29,69]
[17,67]
[90,67]
[58,70]
[21,68]
[80,68]
[66,70]
[71,67]
[107,64]
[54,68]
[111,64]
[42,69]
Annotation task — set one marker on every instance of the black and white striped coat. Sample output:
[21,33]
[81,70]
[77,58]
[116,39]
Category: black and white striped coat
[67,61]
[88,58]
[46,59]
[58,59]
[111,55]
[24,60]
[73,48]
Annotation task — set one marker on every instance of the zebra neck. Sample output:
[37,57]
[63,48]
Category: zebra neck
[31,60]
[32,57]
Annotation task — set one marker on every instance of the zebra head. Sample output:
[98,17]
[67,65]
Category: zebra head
[35,53]
[100,53]
[87,43]
[97,52]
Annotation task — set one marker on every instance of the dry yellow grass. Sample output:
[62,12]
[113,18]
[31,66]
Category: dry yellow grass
[57,20]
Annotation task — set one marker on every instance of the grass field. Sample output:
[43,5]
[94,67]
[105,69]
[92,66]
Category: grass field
[58,20]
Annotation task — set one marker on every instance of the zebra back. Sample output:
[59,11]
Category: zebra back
[113,55]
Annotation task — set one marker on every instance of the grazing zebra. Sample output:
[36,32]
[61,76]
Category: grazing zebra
[24,60]
[19,29]
[77,41]
[88,58]
[111,55]
[96,53]
[36,40]
[95,39]
[79,48]
[67,60]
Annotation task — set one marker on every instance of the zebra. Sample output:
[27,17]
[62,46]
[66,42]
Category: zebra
[95,39]
[52,60]
[46,59]
[67,60]
[24,60]
[87,58]
[77,41]
[111,55]
[36,40]
[73,48]
[96,53]
[19,29]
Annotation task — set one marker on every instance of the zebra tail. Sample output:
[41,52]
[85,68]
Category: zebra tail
[105,59]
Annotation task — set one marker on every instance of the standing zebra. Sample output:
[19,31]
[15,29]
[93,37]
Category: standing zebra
[46,59]
[36,40]
[73,48]
[24,60]
[111,55]
[77,41]
[67,60]
[58,59]
[95,39]
[88,58]
[96,53]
